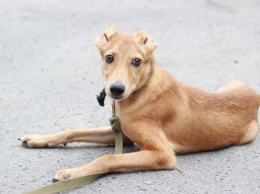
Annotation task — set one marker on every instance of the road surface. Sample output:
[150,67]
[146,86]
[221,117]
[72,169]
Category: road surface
[50,75]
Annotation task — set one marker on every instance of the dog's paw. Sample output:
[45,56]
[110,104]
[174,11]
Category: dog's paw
[65,175]
[37,141]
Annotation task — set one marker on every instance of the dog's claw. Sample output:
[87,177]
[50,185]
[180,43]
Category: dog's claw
[65,144]
[24,144]
[19,139]
[54,180]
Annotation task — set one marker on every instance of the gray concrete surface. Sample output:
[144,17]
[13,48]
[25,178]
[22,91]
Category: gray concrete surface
[50,74]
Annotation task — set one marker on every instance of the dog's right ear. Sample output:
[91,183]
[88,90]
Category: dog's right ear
[105,37]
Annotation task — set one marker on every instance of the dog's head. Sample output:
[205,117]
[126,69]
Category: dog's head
[127,61]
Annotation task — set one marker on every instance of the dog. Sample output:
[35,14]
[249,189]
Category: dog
[161,115]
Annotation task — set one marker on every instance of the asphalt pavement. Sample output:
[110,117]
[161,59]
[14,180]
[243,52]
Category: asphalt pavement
[50,76]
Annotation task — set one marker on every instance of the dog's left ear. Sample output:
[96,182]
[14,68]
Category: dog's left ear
[145,40]
[105,37]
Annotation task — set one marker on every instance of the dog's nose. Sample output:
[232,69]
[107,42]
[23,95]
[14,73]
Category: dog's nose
[117,88]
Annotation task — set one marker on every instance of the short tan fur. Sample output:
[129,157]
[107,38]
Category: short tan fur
[158,113]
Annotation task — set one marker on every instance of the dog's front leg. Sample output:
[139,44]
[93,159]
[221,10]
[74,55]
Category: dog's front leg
[142,160]
[103,135]
[156,153]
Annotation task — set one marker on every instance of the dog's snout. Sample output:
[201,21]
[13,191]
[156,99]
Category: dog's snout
[117,88]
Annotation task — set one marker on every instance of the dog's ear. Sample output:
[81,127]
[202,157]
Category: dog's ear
[145,40]
[105,37]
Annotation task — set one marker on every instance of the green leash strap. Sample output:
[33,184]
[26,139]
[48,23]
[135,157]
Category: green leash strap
[70,184]
[116,127]
[81,181]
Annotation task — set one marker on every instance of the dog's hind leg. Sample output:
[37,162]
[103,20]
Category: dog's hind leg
[250,132]
[231,85]
[103,135]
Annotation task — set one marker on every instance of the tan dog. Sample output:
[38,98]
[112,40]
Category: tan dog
[157,113]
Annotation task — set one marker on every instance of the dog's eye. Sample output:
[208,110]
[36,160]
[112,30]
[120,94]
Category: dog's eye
[137,62]
[109,59]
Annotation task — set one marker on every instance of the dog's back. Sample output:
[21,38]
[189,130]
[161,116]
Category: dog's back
[194,120]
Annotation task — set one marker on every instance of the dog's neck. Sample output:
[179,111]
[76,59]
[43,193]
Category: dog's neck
[154,87]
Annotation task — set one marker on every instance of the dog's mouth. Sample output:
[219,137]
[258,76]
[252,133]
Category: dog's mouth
[117,98]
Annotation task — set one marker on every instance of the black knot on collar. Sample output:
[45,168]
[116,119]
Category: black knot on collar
[101,97]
